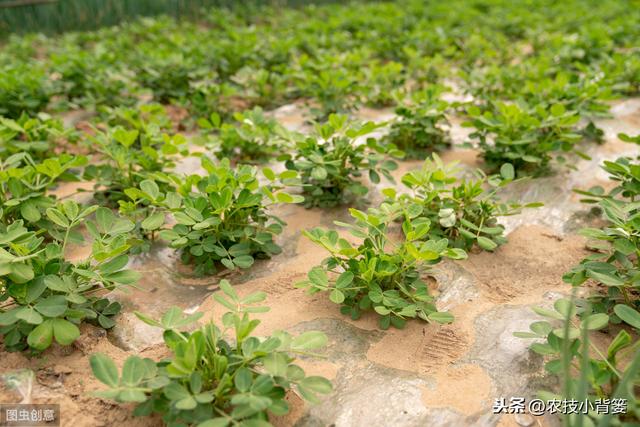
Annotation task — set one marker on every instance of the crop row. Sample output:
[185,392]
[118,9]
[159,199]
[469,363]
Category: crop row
[535,79]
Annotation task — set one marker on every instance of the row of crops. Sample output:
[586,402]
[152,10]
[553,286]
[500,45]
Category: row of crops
[57,16]
[535,75]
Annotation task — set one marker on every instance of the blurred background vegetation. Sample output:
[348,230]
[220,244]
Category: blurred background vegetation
[55,16]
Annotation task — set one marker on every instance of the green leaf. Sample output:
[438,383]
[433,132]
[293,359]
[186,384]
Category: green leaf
[336,296]
[382,310]
[215,422]
[114,265]
[151,188]
[565,307]
[8,317]
[606,278]
[187,403]
[175,391]
[243,379]
[171,318]
[254,298]
[106,322]
[125,137]
[571,334]
[125,277]
[215,119]
[557,110]
[308,341]
[153,221]
[319,173]
[622,340]
[285,197]
[543,349]
[269,174]
[132,371]
[146,319]
[318,277]
[120,226]
[105,218]
[30,212]
[21,273]
[507,171]
[243,261]
[441,317]
[52,306]
[344,279]
[525,335]
[228,290]
[596,321]
[57,217]
[55,283]
[29,315]
[41,337]
[541,328]
[486,244]
[182,218]
[548,313]
[628,315]
[64,331]
[129,395]
[71,209]
[317,384]
[275,364]
[104,369]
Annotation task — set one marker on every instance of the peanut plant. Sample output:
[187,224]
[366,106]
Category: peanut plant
[330,163]
[379,273]
[216,375]
[222,219]
[44,295]
[464,211]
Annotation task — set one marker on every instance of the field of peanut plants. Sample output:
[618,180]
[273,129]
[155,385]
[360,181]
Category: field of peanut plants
[408,213]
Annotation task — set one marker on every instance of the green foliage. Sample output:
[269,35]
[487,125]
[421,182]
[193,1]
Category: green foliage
[209,97]
[380,274]
[260,86]
[150,120]
[527,137]
[624,70]
[588,372]
[625,171]
[332,88]
[614,262]
[626,138]
[216,375]
[336,56]
[331,162]
[47,296]
[381,80]
[37,136]
[419,127]
[223,221]
[254,137]
[616,246]
[538,78]
[25,187]
[130,156]
[22,90]
[168,73]
[465,211]
[147,207]
[87,79]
